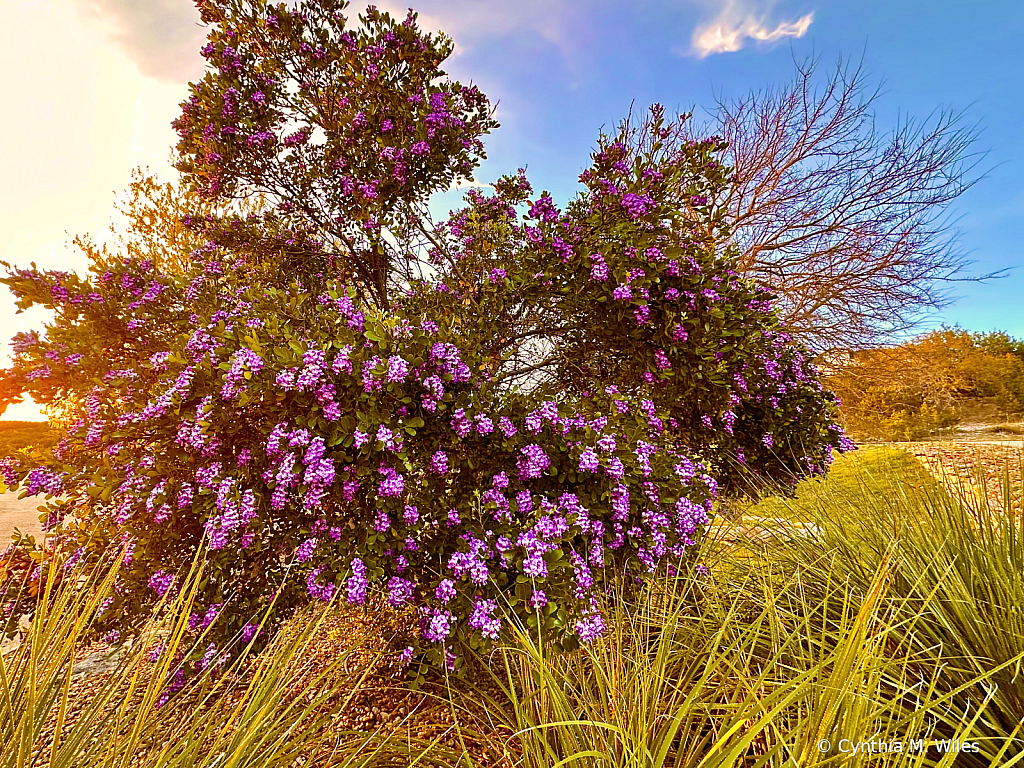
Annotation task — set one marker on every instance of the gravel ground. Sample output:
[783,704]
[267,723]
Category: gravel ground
[961,465]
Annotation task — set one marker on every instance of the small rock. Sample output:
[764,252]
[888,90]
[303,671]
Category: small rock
[99,663]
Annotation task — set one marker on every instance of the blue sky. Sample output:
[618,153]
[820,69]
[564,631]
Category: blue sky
[954,55]
[99,99]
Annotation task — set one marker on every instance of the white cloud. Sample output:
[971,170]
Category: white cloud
[736,23]
[467,184]
[86,116]
[162,37]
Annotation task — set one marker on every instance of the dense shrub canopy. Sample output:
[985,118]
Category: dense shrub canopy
[476,425]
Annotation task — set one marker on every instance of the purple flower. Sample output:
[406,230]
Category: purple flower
[622,293]
[688,517]
[590,628]
[319,591]
[398,369]
[463,563]
[392,484]
[445,591]
[160,582]
[482,619]
[544,209]
[439,626]
[461,424]
[386,436]
[341,360]
[314,362]
[349,489]
[533,462]
[242,361]
[305,550]
[439,463]
[357,583]
[534,566]
[589,461]
[163,514]
[249,631]
[400,591]
[636,205]
[524,502]
[41,479]
[620,503]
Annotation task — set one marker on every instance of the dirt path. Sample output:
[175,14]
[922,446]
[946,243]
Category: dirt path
[18,513]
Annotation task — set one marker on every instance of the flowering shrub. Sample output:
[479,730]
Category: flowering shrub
[627,286]
[563,395]
[350,450]
[349,128]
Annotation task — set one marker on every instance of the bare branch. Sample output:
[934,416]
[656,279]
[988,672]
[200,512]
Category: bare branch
[849,227]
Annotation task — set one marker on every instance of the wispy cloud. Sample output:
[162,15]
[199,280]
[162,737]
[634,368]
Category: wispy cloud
[162,37]
[470,22]
[738,22]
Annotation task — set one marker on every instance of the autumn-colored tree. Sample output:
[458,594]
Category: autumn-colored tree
[150,223]
[909,390]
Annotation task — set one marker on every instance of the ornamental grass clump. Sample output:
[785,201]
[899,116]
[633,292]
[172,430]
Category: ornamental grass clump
[479,419]
[953,606]
[765,670]
[270,710]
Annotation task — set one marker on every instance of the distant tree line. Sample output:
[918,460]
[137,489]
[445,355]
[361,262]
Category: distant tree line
[934,382]
[16,435]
